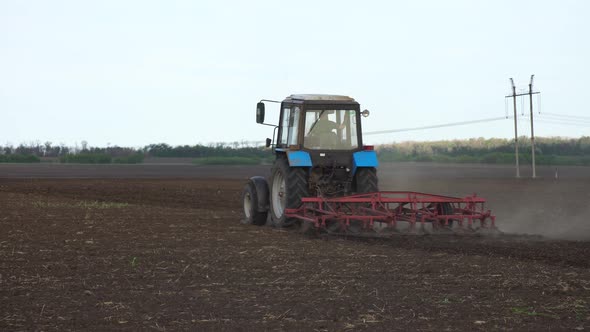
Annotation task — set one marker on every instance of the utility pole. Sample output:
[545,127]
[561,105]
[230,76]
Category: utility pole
[532,129]
[513,96]
[515,128]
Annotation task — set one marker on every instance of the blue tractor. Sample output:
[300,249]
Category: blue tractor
[319,153]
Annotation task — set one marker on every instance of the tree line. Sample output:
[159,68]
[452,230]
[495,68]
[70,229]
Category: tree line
[84,153]
[548,150]
[552,150]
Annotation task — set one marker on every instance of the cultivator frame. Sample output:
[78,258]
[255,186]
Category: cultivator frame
[380,213]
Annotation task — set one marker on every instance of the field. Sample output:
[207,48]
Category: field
[160,247]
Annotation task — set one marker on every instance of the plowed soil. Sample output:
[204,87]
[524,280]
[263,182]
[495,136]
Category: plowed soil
[164,253]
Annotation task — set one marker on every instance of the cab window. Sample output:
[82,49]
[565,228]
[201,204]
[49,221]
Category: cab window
[330,130]
[289,126]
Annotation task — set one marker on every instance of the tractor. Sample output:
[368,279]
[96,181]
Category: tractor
[324,177]
[319,152]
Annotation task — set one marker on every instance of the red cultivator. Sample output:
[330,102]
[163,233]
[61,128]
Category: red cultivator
[382,213]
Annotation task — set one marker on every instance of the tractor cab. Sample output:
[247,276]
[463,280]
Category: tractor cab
[314,123]
[320,137]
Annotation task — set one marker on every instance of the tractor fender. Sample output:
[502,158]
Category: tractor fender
[262,197]
[367,158]
[299,159]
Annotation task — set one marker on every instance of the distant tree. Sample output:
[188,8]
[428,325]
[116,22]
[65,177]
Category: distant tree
[63,149]
[8,149]
[48,149]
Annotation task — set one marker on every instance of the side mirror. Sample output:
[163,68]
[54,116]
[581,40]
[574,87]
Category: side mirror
[365,113]
[260,112]
[268,141]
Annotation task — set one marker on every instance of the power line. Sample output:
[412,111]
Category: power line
[452,124]
[565,123]
[556,119]
[567,116]
[587,122]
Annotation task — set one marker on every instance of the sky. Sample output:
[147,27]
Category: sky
[132,73]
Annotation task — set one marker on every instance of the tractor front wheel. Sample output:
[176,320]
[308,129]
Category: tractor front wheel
[252,200]
[287,186]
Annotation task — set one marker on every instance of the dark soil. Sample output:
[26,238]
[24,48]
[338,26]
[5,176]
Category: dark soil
[171,254]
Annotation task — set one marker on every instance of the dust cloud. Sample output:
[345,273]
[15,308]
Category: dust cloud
[566,227]
[546,206]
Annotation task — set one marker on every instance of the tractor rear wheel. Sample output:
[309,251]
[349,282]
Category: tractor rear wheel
[287,186]
[366,180]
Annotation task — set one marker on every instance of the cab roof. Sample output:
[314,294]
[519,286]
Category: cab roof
[320,98]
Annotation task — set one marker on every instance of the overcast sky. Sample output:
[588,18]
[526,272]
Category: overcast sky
[131,73]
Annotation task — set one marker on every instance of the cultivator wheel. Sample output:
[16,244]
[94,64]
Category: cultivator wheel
[379,214]
[440,225]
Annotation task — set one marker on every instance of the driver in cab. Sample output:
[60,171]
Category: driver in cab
[324,125]
[324,130]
